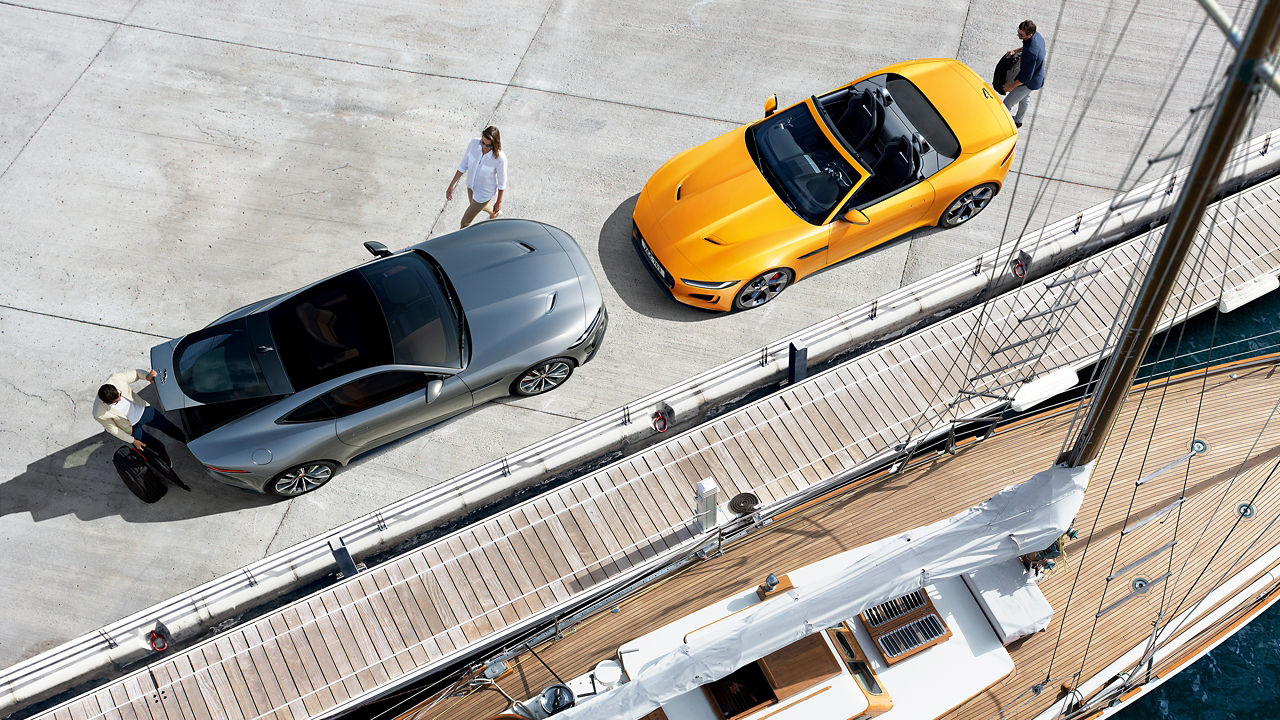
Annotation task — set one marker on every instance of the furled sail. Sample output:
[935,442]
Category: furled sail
[1019,519]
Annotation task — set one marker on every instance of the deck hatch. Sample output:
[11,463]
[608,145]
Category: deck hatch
[905,625]
[895,608]
[916,634]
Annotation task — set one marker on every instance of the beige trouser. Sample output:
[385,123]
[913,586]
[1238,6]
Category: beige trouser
[474,209]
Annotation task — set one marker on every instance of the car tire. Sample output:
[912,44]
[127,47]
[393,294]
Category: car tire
[763,288]
[301,479]
[970,203]
[543,377]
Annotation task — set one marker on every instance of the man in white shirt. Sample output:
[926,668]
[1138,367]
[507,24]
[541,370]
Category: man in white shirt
[485,166]
[124,414]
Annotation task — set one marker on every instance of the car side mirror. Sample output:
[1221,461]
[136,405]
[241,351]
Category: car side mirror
[770,105]
[434,388]
[857,217]
[376,248]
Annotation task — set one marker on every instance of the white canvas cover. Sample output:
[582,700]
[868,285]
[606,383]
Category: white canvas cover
[1010,599]
[1019,519]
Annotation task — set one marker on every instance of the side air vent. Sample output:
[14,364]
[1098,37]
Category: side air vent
[905,626]
[915,635]
[895,608]
[678,189]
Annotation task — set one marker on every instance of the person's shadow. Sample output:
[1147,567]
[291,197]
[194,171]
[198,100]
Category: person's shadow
[81,480]
[629,277]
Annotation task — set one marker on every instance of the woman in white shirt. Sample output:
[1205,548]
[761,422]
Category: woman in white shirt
[485,166]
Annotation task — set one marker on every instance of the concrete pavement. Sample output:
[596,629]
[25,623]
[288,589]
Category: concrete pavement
[163,162]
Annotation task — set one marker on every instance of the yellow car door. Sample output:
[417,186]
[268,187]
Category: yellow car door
[898,213]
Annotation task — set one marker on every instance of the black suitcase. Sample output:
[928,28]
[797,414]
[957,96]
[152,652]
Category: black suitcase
[137,476]
[1006,71]
[158,460]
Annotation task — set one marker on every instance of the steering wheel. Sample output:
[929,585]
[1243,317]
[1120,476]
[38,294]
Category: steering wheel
[836,174]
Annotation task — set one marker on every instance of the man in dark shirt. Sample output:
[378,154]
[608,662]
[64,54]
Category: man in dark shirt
[1031,75]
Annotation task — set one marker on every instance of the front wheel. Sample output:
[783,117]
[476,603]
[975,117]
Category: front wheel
[543,377]
[763,288]
[970,203]
[301,479]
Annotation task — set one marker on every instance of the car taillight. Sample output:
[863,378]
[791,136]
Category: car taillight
[226,470]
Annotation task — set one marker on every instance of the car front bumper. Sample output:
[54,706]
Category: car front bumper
[720,300]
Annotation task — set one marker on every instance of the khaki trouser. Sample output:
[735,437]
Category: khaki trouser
[474,208]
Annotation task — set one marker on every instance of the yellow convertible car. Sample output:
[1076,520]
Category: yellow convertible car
[731,223]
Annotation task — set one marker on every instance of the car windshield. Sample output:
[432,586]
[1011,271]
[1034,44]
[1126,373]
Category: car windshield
[220,364]
[804,168]
[424,324]
[330,329]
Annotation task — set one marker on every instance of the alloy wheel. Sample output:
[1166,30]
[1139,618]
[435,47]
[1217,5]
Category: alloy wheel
[972,202]
[544,377]
[302,479]
[765,287]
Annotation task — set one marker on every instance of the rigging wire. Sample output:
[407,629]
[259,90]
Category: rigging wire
[1190,48]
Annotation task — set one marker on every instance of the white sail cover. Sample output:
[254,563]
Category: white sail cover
[1019,519]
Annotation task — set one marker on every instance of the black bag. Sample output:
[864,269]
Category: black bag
[158,461]
[1006,71]
[138,477]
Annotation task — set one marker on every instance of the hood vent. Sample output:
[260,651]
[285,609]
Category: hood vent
[678,189]
[712,240]
[527,247]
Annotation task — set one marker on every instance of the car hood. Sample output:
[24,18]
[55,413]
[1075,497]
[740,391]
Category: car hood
[515,280]
[712,205]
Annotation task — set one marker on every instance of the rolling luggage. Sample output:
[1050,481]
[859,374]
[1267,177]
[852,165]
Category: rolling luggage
[145,472]
[137,476]
[158,460]
[1006,71]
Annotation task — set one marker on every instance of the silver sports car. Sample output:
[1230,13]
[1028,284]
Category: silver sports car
[277,395]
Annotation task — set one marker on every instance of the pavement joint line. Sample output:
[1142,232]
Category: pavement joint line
[14,160]
[85,322]
[359,63]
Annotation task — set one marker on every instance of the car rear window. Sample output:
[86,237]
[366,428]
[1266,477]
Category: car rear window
[220,364]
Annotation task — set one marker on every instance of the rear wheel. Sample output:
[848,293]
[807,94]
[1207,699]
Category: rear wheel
[763,288]
[301,479]
[543,377]
[970,203]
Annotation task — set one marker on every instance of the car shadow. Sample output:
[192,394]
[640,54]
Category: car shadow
[630,279]
[80,480]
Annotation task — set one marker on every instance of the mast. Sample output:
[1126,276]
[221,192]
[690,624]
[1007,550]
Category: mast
[1233,109]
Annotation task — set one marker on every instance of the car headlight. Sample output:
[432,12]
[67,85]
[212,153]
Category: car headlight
[591,329]
[708,285]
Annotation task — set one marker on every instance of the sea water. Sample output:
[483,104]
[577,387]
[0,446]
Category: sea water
[1240,679]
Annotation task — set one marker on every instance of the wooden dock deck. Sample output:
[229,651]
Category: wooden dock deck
[431,606]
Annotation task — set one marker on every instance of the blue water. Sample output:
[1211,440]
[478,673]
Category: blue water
[1240,679]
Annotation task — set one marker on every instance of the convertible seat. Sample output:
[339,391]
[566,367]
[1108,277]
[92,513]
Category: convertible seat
[862,118]
[896,168]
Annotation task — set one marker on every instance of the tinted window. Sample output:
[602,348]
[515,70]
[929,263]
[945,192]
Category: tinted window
[359,395]
[219,365]
[804,168]
[329,330]
[422,322]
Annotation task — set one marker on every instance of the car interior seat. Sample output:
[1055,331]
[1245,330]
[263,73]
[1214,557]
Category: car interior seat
[897,168]
[862,118]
